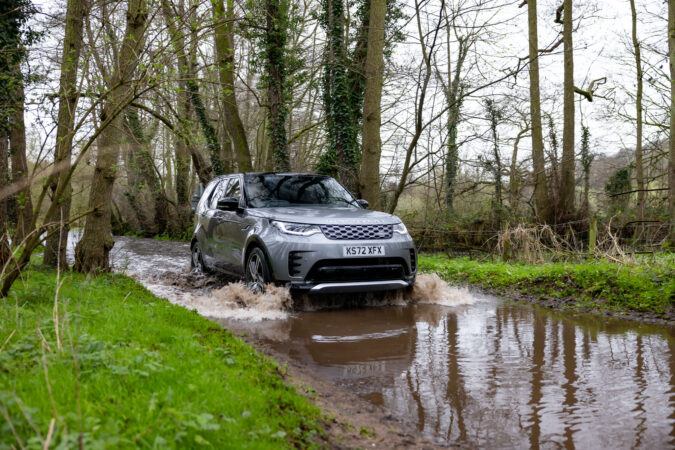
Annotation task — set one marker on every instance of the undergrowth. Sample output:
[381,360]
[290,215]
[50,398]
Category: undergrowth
[118,367]
[594,285]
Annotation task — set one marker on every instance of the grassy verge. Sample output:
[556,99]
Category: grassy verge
[135,371]
[595,286]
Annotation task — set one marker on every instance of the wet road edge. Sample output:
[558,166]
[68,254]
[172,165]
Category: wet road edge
[568,304]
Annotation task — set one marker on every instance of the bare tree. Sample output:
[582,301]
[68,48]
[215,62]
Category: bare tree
[567,181]
[17,150]
[639,169]
[55,246]
[224,39]
[92,251]
[671,142]
[541,194]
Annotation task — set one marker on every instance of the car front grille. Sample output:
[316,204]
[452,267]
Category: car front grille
[357,232]
[357,269]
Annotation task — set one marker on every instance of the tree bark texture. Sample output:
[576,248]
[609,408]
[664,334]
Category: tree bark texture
[541,194]
[275,41]
[55,247]
[144,165]
[341,158]
[4,182]
[225,62]
[566,195]
[134,193]
[17,150]
[372,143]
[91,253]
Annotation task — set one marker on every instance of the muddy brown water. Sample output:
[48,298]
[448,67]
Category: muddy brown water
[482,373]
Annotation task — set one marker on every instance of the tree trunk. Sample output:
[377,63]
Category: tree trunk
[134,193]
[372,144]
[341,158]
[92,251]
[275,41]
[17,150]
[671,140]
[586,161]
[453,98]
[139,144]
[55,247]
[224,41]
[494,115]
[4,182]
[183,168]
[514,176]
[567,165]
[541,194]
[639,170]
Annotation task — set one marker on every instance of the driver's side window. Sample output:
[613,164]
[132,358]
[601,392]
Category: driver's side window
[218,194]
[233,190]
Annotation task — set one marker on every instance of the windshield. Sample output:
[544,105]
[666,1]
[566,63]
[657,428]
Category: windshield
[268,190]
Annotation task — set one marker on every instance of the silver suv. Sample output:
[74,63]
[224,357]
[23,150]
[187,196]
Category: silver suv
[303,231]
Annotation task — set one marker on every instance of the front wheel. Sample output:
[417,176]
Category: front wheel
[257,271]
[197,260]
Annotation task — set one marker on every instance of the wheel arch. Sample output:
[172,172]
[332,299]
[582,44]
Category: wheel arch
[256,242]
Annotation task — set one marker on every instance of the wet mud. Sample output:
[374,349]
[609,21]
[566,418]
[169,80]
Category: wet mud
[440,365]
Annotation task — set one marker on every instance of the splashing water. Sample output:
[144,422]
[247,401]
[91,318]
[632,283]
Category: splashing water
[235,301]
[161,266]
[429,288]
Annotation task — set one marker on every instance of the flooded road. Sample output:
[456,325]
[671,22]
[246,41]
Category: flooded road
[482,373]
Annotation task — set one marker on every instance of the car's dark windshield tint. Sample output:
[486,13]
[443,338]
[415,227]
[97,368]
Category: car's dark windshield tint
[278,190]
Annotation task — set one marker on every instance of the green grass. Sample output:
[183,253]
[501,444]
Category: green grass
[594,285]
[136,371]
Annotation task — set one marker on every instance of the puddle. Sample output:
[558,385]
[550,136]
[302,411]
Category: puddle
[494,374]
[469,370]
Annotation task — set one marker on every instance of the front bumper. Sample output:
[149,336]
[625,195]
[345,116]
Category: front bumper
[349,287]
[316,264]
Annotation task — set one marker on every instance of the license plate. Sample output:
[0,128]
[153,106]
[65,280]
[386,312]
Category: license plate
[363,250]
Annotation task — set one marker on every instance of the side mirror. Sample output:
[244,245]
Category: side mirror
[362,203]
[228,204]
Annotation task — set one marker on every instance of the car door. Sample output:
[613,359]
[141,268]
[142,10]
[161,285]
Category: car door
[216,233]
[239,226]
[226,231]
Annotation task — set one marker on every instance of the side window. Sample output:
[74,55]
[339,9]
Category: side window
[218,194]
[206,195]
[233,190]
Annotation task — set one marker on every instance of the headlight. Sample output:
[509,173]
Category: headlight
[400,228]
[297,229]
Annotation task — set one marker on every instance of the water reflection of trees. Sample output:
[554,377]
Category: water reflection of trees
[515,376]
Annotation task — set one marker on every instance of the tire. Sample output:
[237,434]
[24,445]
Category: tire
[257,272]
[197,260]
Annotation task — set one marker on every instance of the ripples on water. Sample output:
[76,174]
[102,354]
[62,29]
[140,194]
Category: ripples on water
[480,372]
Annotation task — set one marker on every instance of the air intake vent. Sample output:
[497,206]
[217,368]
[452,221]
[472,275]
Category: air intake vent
[413,260]
[357,232]
[294,263]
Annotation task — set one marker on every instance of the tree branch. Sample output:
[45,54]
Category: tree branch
[591,88]
[559,13]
